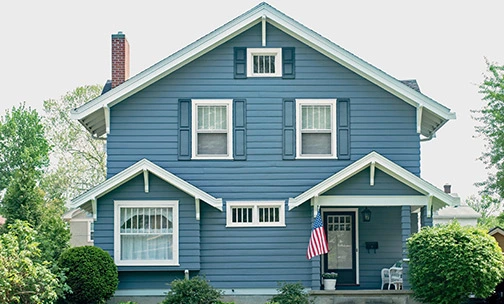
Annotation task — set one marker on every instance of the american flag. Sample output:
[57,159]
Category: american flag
[318,240]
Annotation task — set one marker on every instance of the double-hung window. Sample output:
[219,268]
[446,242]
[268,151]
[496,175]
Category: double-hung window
[316,128]
[264,62]
[253,214]
[212,125]
[146,232]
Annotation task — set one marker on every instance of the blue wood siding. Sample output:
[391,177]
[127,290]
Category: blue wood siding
[359,185]
[384,228]
[189,231]
[145,124]
[255,257]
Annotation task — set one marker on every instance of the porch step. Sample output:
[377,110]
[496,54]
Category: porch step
[363,297]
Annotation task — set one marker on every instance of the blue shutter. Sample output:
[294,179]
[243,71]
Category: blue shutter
[343,130]
[288,63]
[240,62]
[239,129]
[289,129]
[184,134]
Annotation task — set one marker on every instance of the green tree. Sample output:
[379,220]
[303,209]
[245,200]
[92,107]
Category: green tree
[23,277]
[22,143]
[491,117]
[450,262]
[78,160]
[26,156]
[485,205]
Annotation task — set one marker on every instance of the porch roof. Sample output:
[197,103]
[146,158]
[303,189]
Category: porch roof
[375,160]
[143,166]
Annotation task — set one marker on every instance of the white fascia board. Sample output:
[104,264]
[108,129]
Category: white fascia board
[372,201]
[241,24]
[384,165]
[136,169]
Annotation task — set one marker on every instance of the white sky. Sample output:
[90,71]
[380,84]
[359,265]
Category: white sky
[48,48]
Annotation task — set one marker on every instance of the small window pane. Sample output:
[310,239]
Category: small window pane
[212,118]
[316,143]
[212,143]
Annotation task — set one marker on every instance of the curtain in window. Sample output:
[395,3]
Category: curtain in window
[212,130]
[316,129]
[146,233]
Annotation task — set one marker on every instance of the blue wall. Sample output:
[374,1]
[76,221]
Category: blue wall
[145,125]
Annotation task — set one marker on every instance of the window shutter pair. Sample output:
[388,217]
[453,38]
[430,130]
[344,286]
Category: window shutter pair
[288,63]
[239,129]
[342,128]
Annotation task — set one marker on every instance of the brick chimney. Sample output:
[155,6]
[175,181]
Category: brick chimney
[120,59]
[447,188]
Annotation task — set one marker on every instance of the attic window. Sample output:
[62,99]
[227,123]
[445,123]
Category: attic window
[255,214]
[264,62]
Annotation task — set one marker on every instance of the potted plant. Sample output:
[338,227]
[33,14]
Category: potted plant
[330,280]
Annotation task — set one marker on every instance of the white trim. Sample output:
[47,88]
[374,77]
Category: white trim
[134,170]
[255,213]
[372,173]
[228,103]
[197,208]
[277,52]
[368,200]
[384,165]
[356,211]
[146,204]
[146,180]
[299,104]
[496,230]
[89,232]
[106,113]
[419,113]
[94,208]
[238,26]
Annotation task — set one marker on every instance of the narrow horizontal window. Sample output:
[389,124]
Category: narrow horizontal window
[252,214]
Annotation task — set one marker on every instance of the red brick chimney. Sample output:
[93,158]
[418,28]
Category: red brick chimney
[120,59]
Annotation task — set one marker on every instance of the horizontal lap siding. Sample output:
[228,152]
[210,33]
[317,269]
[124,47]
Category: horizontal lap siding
[235,257]
[145,125]
[384,228]
[189,235]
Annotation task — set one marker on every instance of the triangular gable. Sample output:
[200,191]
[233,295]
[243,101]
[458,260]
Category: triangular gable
[374,159]
[496,230]
[94,115]
[143,166]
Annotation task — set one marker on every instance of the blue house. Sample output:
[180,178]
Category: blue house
[220,156]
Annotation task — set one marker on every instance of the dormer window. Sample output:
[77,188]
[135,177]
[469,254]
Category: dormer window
[264,62]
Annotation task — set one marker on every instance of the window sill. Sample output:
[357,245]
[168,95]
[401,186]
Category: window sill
[147,263]
[255,226]
[212,158]
[317,157]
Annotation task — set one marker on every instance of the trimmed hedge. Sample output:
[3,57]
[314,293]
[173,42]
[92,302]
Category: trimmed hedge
[91,274]
[450,262]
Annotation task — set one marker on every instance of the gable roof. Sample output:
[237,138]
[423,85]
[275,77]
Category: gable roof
[439,197]
[94,114]
[136,169]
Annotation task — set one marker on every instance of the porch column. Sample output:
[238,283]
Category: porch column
[405,234]
[425,221]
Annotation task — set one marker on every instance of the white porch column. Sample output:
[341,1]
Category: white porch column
[405,234]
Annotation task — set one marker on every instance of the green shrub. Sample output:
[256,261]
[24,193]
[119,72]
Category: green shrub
[193,291]
[91,274]
[23,277]
[291,293]
[450,262]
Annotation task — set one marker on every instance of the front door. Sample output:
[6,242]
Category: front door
[340,227]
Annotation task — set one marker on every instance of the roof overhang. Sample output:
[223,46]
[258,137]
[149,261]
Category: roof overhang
[377,161]
[88,199]
[94,114]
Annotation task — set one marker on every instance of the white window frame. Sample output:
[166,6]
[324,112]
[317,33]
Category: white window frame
[299,144]
[255,213]
[277,52]
[215,102]
[146,204]
[89,225]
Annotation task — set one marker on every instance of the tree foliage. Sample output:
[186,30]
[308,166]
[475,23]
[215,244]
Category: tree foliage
[450,262]
[22,143]
[92,274]
[485,205]
[78,161]
[26,156]
[23,277]
[491,117]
